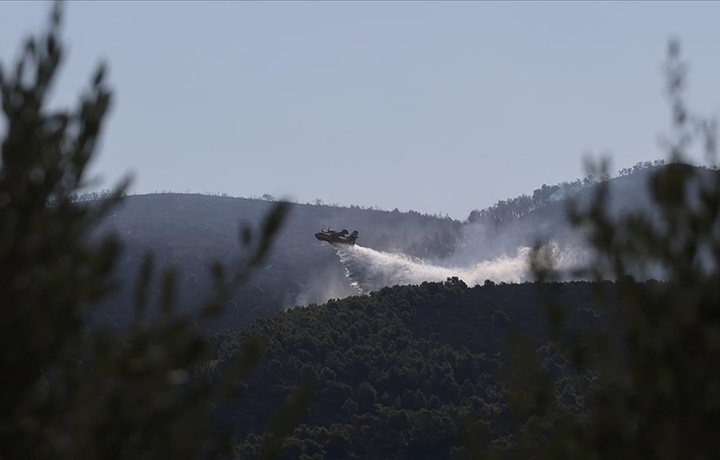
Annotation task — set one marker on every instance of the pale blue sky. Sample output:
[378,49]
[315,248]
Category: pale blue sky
[436,107]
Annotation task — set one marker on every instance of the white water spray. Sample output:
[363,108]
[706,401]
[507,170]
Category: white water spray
[370,270]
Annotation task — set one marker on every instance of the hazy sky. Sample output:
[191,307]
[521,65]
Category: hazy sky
[437,107]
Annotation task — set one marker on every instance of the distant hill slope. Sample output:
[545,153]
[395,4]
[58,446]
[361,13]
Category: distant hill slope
[194,230]
[486,236]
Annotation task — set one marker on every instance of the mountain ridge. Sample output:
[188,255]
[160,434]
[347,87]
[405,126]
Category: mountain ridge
[191,231]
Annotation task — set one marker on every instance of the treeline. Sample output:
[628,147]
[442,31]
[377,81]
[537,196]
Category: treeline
[639,166]
[515,208]
[95,195]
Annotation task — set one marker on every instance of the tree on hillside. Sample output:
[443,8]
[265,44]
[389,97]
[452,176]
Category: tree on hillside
[69,391]
[658,383]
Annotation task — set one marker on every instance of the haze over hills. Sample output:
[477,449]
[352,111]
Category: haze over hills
[394,247]
[194,230]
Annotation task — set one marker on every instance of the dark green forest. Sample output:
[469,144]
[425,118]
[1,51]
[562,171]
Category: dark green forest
[407,371]
[118,343]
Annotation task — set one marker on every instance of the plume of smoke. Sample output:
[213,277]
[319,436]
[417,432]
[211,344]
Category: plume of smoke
[329,284]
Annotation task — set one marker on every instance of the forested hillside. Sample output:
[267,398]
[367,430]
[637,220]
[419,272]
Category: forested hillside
[406,372]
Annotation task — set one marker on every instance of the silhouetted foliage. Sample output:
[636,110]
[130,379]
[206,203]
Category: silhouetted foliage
[69,391]
[656,375]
